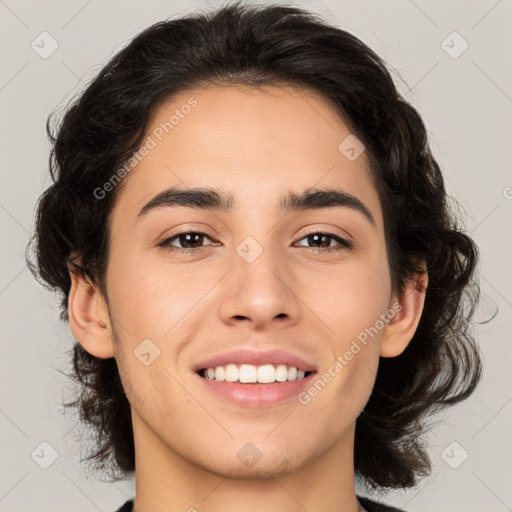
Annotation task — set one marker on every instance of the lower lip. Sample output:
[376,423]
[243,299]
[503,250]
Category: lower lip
[256,395]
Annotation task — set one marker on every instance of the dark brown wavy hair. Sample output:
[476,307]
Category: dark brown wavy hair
[274,45]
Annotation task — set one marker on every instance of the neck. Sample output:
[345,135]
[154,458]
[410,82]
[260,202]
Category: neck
[168,482]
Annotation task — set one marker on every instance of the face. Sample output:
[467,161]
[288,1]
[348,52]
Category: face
[256,283]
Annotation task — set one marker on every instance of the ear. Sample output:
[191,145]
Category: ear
[88,314]
[409,307]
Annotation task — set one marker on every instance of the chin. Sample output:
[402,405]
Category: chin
[260,471]
[248,463]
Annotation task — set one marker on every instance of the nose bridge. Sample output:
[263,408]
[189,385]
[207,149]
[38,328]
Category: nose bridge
[258,287]
[260,265]
[259,250]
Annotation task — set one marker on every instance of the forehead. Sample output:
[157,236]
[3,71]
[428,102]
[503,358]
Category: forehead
[257,143]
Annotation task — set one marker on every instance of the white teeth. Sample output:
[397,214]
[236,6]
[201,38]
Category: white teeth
[266,374]
[292,373]
[231,373]
[248,373]
[219,373]
[281,373]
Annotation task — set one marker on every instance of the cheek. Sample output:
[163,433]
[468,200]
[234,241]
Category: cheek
[163,303]
[349,302]
[150,296]
[349,298]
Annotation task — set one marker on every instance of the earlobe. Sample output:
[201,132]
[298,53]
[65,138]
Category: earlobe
[88,316]
[400,331]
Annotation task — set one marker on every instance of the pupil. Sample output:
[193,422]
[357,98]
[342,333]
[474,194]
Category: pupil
[187,238]
[315,237]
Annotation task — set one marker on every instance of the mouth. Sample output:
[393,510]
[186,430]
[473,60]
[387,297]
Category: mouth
[250,386]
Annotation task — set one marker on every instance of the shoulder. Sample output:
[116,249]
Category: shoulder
[376,506]
[127,507]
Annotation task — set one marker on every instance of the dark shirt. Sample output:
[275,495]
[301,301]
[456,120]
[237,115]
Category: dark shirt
[369,505]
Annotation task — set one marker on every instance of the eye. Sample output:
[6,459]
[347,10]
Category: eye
[190,239]
[187,239]
[316,238]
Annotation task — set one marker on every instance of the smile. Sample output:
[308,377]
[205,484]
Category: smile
[252,393]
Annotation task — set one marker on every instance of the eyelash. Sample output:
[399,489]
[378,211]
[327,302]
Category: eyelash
[344,244]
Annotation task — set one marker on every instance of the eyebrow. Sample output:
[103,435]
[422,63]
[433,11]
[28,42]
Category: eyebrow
[221,200]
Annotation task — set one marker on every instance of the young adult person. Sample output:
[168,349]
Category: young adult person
[258,261]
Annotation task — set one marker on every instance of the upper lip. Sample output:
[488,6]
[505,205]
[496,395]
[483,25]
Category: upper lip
[256,358]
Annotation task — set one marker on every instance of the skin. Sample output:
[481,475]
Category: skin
[195,305]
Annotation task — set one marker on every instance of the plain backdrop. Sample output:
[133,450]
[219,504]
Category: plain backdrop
[465,98]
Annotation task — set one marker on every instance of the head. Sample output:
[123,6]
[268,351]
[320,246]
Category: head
[249,115]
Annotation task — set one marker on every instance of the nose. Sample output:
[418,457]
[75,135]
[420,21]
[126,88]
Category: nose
[260,293]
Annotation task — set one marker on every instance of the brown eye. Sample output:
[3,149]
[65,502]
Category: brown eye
[187,239]
[319,238]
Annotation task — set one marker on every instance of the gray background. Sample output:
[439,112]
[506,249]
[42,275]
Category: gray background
[466,103]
